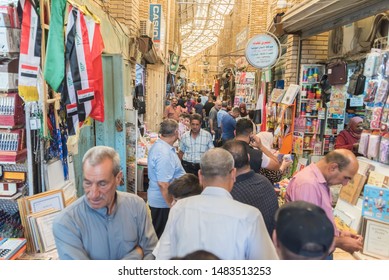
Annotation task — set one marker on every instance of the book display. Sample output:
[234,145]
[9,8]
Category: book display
[245,89]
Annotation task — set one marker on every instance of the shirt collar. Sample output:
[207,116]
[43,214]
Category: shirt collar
[166,144]
[216,191]
[103,211]
[245,176]
[318,174]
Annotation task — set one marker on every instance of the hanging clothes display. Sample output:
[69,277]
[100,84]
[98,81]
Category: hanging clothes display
[30,51]
[83,90]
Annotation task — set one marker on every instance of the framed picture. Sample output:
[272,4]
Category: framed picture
[46,200]
[376,238]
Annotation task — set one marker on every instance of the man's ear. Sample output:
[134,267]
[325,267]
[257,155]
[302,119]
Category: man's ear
[333,166]
[119,178]
[201,178]
[274,238]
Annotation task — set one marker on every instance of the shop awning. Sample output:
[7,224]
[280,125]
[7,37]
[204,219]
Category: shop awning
[316,16]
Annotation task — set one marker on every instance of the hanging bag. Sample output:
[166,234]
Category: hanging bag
[356,84]
[337,73]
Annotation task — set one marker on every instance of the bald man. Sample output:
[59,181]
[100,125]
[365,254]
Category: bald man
[312,184]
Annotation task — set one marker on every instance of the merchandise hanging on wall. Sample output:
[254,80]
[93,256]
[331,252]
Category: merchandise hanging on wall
[83,90]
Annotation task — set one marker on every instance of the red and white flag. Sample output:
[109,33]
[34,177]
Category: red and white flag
[30,51]
[84,78]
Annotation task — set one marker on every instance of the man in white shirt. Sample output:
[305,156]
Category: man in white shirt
[213,221]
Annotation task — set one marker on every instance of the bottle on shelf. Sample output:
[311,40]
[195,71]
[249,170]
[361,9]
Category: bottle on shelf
[331,145]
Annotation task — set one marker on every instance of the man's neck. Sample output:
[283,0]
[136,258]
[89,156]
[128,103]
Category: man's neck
[243,138]
[243,170]
[194,134]
[169,140]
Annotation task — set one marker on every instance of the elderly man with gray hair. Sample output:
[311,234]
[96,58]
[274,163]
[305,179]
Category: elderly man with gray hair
[163,167]
[213,221]
[104,224]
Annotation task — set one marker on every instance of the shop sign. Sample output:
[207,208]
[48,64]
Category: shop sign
[356,101]
[262,51]
[241,38]
[155,17]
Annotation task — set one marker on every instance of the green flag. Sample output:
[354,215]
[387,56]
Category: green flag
[54,70]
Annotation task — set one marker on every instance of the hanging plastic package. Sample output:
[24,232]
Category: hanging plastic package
[371,64]
[374,145]
[363,143]
[383,156]
[375,122]
[382,91]
[371,90]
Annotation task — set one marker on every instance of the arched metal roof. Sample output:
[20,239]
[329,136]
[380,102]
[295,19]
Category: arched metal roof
[201,22]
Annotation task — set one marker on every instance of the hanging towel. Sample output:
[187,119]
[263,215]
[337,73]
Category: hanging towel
[54,70]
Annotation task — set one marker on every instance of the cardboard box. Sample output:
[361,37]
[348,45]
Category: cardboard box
[9,74]
[353,189]
[12,15]
[376,203]
[8,189]
[11,116]
[4,20]
[378,179]
[13,157]
[9,40]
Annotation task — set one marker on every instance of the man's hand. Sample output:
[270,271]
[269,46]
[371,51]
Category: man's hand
[139,250]
[349,242]
[255,141]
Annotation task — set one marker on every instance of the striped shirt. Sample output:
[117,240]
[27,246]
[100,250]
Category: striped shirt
[192,148]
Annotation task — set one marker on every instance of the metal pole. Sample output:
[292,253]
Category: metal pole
[30,177]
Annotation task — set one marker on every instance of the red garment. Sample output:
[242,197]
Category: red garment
[345,140]
[348,137]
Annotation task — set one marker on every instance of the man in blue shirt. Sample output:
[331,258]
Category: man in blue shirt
[228,124]
[104,224]
[163,167]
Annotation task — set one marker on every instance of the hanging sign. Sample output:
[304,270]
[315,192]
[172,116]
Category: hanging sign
[262,51]
[173,63]
[155,13]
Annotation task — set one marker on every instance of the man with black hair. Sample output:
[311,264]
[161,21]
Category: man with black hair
[194,144]
[252,188]
[260,156]
[185,186]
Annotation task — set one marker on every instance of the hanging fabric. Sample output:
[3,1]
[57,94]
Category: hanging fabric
[83,92]
[54,70]
[30,51]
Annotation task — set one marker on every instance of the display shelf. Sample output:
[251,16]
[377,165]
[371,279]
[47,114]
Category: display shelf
[309,101]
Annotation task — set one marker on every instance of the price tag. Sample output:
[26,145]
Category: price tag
[356,101]
[33,123]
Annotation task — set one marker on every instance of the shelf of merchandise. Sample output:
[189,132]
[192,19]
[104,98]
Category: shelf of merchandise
[311,97]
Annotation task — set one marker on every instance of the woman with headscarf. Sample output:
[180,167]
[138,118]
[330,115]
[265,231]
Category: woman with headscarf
[349,138]
[243,110]
[267,140]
